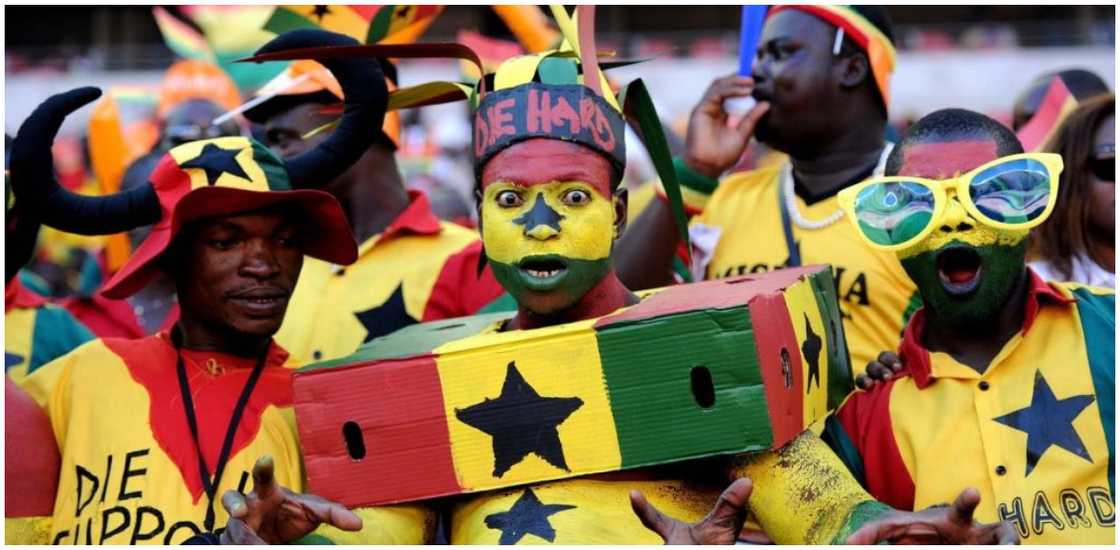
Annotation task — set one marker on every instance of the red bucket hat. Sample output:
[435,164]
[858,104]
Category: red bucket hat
[222,177]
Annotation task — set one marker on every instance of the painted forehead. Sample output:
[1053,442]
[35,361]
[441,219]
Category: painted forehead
[946,159]
[538,161]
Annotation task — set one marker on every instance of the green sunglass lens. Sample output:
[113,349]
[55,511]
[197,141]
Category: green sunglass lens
[893,213]
[1013,192]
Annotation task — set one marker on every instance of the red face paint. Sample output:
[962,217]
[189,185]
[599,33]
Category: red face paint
[541,160]
[944,160]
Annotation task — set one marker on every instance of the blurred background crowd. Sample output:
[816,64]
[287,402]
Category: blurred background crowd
[999,60]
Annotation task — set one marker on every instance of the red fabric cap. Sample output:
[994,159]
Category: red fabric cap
[329,239]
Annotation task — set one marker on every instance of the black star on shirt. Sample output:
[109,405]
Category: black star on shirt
[11,360]
[1048,421]
[386,318]
[521,422]
[540,214]
[527,517]
[216,161]
[320,11]
[811,351]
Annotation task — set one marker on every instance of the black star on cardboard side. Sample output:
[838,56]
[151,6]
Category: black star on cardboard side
[215,161]
[386,318]
[811,352]
[540,214]
[528,516]
[1048,422]
[521,422]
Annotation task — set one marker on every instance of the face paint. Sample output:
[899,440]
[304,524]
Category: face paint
[548,222]
[964,270]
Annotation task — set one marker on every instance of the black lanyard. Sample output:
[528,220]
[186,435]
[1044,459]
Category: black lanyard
[211,485]
[787,231]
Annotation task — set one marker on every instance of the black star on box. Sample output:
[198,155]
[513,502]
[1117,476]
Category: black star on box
[1048,422]
[528,516]
[386,318]
[521,422]
[11,360]
[811,352]
[216,161]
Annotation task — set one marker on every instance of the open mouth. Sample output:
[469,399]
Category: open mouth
[959,269]
[542,273]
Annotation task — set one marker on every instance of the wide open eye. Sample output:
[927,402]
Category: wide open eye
[509,199]
[576,197]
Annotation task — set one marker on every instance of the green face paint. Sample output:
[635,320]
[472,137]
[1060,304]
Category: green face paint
[545,284]
[969,304]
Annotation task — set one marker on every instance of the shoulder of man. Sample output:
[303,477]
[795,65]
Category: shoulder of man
[736,187]
[461,288]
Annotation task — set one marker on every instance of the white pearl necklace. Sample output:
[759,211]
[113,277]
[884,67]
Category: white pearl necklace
[789,196]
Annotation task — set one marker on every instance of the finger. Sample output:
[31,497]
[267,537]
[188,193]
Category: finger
[237,532]
[878,372]
[1007,534]
[723,88]
[747,125]
[264,482]
[321,510]
[864,382]
[890,360]
[964,506]
[732,504]
[649,515]
[875,532]
[235,505]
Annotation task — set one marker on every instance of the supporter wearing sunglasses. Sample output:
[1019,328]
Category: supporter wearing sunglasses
[1078,242]
[1009,384]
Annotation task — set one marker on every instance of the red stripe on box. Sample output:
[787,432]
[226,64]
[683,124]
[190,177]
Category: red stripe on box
[773,334]
[398,408]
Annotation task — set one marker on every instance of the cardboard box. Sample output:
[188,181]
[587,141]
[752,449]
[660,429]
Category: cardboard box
[719,367]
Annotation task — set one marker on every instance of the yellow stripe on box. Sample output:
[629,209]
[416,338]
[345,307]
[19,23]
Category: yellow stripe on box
[564,364]
[802,304]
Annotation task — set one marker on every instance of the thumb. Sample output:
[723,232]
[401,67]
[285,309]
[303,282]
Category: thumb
[650,516]
[747,125]
[964,506]
[732,505]
[234,503]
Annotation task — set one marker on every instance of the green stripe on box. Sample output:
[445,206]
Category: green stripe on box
[839,362]
[56,333]
[1098,322]
[655,413]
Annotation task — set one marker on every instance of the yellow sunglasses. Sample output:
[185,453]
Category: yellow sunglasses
[1015,192]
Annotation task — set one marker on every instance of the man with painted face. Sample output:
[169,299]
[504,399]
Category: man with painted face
[151,430]
[821,77]
[549,156]
[1012,376]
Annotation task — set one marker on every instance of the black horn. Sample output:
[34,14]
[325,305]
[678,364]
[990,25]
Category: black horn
[366,99]
[31,170]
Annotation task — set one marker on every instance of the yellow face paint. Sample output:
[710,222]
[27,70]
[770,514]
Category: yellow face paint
[569,219]
[977,234]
